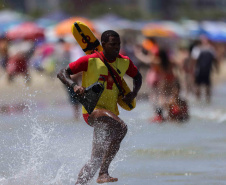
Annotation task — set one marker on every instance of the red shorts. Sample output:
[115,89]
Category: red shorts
[86,116]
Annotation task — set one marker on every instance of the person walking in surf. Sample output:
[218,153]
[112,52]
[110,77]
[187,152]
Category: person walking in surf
[109,129]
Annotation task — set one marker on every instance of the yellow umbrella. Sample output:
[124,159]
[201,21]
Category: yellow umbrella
[64,27]
[156,30]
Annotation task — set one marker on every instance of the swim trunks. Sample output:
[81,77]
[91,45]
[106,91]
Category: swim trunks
[203,66]
[86,117]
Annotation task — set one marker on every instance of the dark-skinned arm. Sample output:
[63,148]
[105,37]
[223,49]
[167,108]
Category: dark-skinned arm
[65,78]
[137,82]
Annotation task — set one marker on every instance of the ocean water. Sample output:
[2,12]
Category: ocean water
[42,145]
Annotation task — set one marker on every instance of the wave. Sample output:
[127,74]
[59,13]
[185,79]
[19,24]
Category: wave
[166,152]
[209,113]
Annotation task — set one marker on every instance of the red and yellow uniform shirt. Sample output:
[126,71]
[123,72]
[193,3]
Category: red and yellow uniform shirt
[93,68]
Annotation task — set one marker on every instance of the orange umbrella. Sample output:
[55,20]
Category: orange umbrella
[156,30]
[150,46]
[64,27]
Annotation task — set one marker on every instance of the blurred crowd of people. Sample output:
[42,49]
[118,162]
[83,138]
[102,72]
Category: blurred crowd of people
[171,68]
[175,68]
[21,57]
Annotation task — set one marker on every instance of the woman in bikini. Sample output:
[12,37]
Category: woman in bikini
[159,77]
[177,107]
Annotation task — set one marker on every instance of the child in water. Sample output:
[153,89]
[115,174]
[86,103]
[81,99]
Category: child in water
[176,108]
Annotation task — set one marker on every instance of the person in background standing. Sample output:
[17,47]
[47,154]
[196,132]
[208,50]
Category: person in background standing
[128,48]
[19,57]
[4,53]
[66,53]
[204,57]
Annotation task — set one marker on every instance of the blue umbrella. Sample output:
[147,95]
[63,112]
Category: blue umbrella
[5,26]
[56,16]
[44,22]
[11,16]
[215,31]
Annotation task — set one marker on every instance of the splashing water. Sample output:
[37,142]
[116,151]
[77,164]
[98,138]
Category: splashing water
[44,145]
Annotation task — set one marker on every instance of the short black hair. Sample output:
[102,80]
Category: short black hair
[105,35]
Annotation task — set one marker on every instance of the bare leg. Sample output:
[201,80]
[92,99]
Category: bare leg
[91,167]
[10,78]
[113,145]
[208,93]
[154,96]
[198,92]
[76,108]
[109,131]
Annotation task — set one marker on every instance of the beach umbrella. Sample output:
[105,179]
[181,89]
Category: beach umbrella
[192,28]
[5,26]
[11,16]
[9,19]
[57,16]
[27,31]
[44,23]
[157,30]
[64,27]
[214,30]
[176,28]
[114,22]
[150,46]
[50,34]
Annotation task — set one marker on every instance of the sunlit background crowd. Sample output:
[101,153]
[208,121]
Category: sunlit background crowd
[173,56]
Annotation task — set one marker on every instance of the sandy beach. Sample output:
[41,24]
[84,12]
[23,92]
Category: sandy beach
[49,89]
[42,88]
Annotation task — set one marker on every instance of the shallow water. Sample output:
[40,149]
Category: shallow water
[42,145]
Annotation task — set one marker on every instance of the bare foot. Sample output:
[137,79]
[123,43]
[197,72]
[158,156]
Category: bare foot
[106,178]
